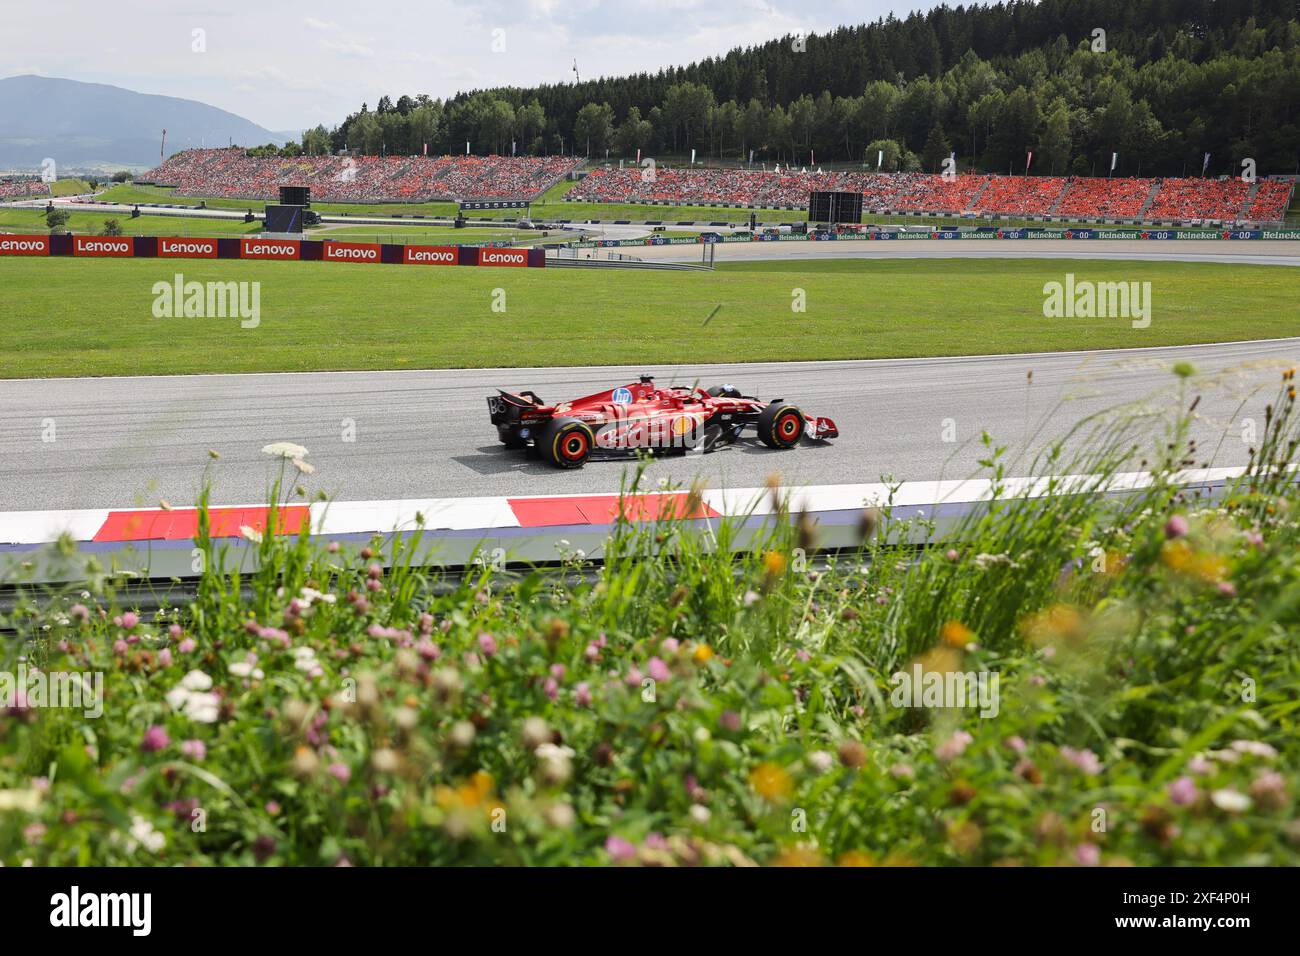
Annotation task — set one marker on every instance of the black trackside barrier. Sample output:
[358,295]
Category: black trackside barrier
[61,244]
[146,247]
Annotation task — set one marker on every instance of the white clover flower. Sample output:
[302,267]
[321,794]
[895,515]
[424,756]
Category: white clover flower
[1232,801]
[246,669]
[196,680]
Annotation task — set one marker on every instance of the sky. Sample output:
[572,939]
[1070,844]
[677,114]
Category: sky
[288,65]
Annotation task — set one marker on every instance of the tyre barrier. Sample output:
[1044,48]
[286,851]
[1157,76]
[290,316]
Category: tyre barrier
[253,247]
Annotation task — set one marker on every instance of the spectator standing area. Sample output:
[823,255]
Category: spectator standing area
[232,174]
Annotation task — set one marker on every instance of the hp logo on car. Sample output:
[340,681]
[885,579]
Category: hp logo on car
[622,396]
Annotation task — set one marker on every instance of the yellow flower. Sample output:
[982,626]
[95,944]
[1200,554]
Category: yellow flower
[856,858]
[702,653]
[1060,622]
[798,856]
[773,563]
[1179,556]
[956,634]
[771,782]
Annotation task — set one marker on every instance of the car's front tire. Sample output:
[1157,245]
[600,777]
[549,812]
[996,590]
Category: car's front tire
[780,426]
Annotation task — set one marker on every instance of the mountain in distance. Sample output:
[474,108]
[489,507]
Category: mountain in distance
[96,126]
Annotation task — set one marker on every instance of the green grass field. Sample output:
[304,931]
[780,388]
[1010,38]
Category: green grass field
[67,317]
[92,223]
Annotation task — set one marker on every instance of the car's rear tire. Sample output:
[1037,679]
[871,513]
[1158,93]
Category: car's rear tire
[780,426]
[566,443]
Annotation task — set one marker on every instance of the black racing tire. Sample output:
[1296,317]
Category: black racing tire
[510,437]
[780,426]
[566,443]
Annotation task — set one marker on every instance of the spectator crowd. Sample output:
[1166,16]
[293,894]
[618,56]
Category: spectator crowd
[1059,197]
[232,174]
[19,188]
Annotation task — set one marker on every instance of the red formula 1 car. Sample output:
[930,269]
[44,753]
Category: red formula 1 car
[641,417]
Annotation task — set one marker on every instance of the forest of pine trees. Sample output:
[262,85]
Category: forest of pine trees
[1167,82]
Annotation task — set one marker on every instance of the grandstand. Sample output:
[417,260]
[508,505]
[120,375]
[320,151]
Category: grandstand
[1073,198]
[231,173]
[22,188]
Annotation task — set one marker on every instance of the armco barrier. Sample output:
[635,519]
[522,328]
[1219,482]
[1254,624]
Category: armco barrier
[267,249]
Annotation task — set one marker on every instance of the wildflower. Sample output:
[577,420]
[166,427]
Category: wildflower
[250,534]
[385,760]
[798,856]
[305,762]
[1182,791]
[820,761]
[155,739]
[79,613]
[246,669]
[633,677]
[487,644]
[1085,760]
[302,466]
[284,449]
[187,646]
[555,764]
[1016,743]
[1269,790]
[853,754]
[954,746]
[1200,766]
[1176,527]
[658,670]
[771,782]
[956,634]
[1230,800]
[902,771]
[339,771]
[535,733]
[144,834]
[582,694]
[462,735]
[773,563]
[729,721]
[194,749]
[1087,854]
[24,801]
[559,815]
[702,653]
[1255,748]
[619,850]
[699,813]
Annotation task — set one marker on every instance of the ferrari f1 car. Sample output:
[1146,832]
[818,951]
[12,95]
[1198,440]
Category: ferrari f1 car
[640,417]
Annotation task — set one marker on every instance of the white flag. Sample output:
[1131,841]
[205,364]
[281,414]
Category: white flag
[1114,158]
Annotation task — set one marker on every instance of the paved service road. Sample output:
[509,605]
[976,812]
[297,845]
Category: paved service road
[132,441]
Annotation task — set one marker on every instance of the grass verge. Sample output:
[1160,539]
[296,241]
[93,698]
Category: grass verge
[69,317]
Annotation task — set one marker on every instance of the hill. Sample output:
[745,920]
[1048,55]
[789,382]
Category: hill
[88,125]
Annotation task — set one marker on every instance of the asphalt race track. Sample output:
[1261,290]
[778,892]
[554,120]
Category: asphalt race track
[133,441]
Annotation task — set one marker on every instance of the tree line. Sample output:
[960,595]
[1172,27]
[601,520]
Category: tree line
[1158,82]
